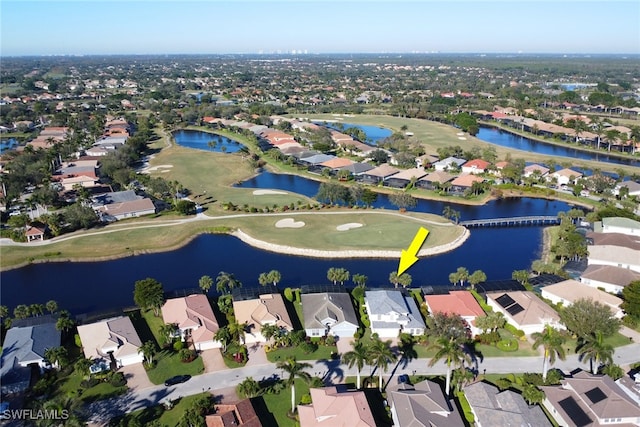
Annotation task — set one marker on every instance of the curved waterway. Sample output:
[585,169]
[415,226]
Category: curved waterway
[206,141]
[91,286]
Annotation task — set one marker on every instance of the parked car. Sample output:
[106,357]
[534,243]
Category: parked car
[178,379]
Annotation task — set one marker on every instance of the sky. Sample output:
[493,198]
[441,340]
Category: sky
[87,27]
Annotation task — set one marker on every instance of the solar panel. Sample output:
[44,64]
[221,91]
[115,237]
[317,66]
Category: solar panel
[505,300]
[515,309]
[596,395]
[575,412]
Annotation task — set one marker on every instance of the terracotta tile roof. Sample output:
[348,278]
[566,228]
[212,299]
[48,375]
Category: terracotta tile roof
[241,414]
[476,164]
[336,163]
[336,409]
[189,312]
[456,302]
[466,180]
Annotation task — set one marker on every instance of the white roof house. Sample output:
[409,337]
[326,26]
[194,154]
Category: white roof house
[616,256]
[390,313]
[524,310]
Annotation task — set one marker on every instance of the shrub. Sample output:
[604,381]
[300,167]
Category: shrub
[330,340]
[503,383]
[187,355]
[305,399]
[297,295]
[532,378]
[365,320]
[89,382]
[77,340]
[358,294]
[489,338]
[507,345]
[117,379]
[308,347]
[553,377]
[515,331]
[178,345]
[358,334]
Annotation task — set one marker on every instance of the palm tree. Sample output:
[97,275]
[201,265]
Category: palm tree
[223,336]
[249,388]
[295,370]
[404,279]
[168,332]
[551,341]
[360,280]
[337,275]
[225,282]
[476,277]
[356,357]
[51,306]
[263,279]
[57,356]
[460,275]
[462,377]
[205,283]
[269,331]
[451,352]
[380,355]
[148,350]
[596,350]
[275,277]
[237,331]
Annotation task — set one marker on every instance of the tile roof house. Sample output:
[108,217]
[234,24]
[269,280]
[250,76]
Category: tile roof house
[404,177]
[113,340]
[333,407]
[434,180]
[422,405]
[492,407]
[380,173]
[615,239]
[616,256]
[531,169]
[464,182]
[123,210]
[590,400]
[329,313]
[475,166]
[611,279]
[524,310]
[241,414]
[566,176]
[391,312]
[569,291]
[22,348]
[267,309]
[457,302]
[195,319]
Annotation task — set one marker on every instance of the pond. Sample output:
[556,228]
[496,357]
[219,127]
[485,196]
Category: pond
[206,141]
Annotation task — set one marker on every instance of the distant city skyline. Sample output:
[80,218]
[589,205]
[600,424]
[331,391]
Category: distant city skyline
[313,26]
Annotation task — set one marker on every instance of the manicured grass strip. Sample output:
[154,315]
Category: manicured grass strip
[168,364]
[280,404]
[282,354]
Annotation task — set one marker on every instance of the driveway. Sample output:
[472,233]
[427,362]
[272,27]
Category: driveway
[344,344]
[257,355]
[212,360]
[136,375]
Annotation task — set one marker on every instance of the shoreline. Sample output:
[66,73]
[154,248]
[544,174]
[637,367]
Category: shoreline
[352,253]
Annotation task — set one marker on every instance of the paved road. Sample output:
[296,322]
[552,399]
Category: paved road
[330,371]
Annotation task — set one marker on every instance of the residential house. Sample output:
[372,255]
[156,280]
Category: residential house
[195,319]
[620,225]
[267,309]
[569,291]
[535,169]
[461,303]
[585,399]
[122,204]
[617,256]
[425,161]
[611,279]
[336,407]
[337,163]
[357,169]
[316,159]
[492,407]
[113,340]
[378,174]
[391,313]
[23,348]
[329,313]
[632,188]
[434,180]
[524,310]
[449,164]
[240,414]
[405,177]
[475,166]
[464,182]
[566,176]
[422,405]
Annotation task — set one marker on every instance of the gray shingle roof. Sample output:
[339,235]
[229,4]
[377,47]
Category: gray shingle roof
[335,305]
[384,302]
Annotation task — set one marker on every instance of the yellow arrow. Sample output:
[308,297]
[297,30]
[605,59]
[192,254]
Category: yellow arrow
[408,257]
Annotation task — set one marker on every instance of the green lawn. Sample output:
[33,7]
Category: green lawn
[168,364]
[282,354]
[165,417]
[615,340]
[280,404]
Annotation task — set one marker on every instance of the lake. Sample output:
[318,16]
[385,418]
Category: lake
[206,141]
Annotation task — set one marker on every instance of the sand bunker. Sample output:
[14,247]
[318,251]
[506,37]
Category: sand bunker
[161,168]
[289,223]
[348,226]
[462,138]
[460,133]
[265,192]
